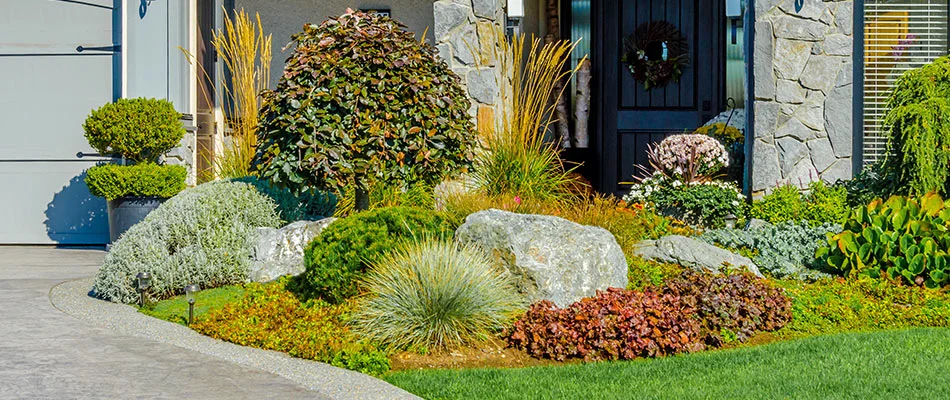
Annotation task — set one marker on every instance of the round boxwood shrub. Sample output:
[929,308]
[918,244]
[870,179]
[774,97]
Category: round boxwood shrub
[140,130]
[361,101]
[204,235]
[337,259]
[114,181]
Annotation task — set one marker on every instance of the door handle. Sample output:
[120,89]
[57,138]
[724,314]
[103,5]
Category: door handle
[114,48]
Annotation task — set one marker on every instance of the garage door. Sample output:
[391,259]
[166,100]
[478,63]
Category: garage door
[47,88]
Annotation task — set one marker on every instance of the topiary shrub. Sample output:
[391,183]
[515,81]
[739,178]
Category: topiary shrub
[272,318]
[337,259]
[203,236]
[918,124]
[785,250]
[433,295]
[139,130]
[732,307]
[615,324]
[821,204]
[362,101]
[114,181]
[903,238]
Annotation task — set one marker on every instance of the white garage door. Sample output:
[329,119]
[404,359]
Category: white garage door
[47,88]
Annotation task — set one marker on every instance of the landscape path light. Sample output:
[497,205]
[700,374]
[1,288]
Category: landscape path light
[144,281]
[191,291]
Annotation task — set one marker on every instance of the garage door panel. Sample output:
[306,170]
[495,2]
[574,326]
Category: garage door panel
[45,202]
[44,108]
[44,26]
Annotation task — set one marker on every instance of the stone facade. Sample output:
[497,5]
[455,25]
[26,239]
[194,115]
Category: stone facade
[803,80]
[464,32]
[186,153]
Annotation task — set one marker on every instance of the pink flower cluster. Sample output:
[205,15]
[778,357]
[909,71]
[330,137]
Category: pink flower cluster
[690,154]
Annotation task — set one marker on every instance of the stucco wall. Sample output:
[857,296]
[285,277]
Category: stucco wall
[803,69]
[283,18]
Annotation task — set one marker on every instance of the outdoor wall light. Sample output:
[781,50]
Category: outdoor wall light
[731,221]
[191,291]
[144,280]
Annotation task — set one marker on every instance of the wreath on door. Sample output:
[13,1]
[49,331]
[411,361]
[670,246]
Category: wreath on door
[656,54]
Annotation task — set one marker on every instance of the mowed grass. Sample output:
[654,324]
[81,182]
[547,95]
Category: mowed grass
[904,364]
[175,309]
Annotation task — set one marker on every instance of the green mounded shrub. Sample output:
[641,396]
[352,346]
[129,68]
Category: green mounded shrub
[139,130]
[362,101]
[903,238]
[782,250]
[918,125]
[872,182]
[434,295]
[704,204]
[272,318]
[307,205]
[616,324]
[337,259]
[732,307]
[114,181]
[203,236]
[822,204]
[840,305]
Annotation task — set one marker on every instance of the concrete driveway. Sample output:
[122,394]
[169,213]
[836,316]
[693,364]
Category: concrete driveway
[46,354]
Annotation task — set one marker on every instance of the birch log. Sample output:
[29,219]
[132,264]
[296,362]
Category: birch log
[582,106]
[561,109]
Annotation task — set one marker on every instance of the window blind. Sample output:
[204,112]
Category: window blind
[898,36]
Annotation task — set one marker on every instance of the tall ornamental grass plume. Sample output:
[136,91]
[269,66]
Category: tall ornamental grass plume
[432,295]
[518,159]
[245,52]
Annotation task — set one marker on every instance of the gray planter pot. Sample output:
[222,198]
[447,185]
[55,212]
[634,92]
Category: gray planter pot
[127,211]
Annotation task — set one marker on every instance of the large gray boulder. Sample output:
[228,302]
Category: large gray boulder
[549,258]
[279,252]
[692,253]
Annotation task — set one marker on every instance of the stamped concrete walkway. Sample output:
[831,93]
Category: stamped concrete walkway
[46,354]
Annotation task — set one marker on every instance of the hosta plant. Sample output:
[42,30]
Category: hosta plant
[362,101]
[434,294]
[902,238]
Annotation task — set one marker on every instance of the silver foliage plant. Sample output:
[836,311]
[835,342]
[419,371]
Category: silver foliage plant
[435,294]
[786,250]
[204,235]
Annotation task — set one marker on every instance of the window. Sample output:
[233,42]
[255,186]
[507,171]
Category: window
[899,35]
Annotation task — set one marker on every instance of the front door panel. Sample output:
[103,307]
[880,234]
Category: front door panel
[634,117]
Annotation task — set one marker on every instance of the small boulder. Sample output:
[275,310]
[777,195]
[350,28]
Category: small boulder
[279,252]
[692,253]
[549,258]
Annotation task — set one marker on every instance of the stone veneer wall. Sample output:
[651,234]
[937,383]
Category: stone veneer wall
[803,106]
[464,37]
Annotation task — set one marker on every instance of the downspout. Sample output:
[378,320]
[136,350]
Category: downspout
[749,38]
[857,90]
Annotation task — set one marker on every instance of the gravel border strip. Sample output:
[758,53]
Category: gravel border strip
[73,299]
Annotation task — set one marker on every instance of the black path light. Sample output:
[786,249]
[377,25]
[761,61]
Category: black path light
[191,291]
[144,280]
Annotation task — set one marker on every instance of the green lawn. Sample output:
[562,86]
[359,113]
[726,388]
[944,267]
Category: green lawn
[175,309]
[901,364]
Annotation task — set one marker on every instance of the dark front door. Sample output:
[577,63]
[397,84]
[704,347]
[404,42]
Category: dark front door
[633,117]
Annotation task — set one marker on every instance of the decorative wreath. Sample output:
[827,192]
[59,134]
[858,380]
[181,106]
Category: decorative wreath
[656,54]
